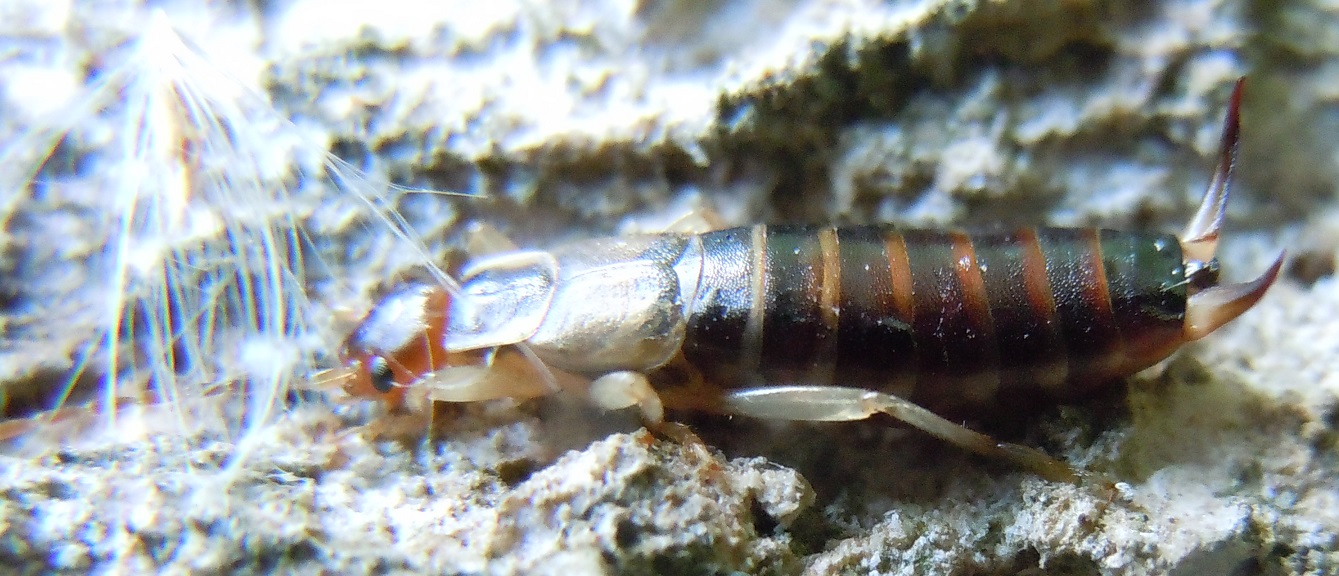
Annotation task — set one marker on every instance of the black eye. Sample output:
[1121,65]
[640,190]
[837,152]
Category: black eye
[380,370]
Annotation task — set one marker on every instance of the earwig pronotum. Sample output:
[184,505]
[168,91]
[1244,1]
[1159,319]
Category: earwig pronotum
[813,323]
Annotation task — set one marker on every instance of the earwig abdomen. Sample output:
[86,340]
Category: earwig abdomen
[947,319]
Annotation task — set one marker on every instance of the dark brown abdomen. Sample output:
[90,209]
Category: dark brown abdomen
[948,319]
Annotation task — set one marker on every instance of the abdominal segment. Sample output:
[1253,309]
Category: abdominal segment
[951,320]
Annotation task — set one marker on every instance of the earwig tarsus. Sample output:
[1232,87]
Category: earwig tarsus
[813,323]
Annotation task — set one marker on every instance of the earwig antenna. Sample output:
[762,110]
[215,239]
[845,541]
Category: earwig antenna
[425,191]
[550,380]
[399,227]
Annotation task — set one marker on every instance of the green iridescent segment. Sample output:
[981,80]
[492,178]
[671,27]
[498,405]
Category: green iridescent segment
[1145,276]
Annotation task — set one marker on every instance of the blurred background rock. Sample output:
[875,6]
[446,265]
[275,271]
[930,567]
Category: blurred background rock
[569,119]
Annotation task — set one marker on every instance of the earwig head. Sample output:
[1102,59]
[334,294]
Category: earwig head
[396,344]
[1211,305]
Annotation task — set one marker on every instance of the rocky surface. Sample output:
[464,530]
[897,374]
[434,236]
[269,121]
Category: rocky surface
[568,119]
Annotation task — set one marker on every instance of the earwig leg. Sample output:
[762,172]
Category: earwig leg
[508,375]
[400,425]
[833,404]
[618,390]
[699,221]
[699,218]
[474,384]
[11,429]
[482,239]
[149,417]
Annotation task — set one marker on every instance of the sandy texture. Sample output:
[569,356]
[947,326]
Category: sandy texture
[583,118]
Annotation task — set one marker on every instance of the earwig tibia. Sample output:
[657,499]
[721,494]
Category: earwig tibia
[812,323]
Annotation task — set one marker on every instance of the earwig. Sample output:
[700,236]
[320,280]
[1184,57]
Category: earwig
[813,323]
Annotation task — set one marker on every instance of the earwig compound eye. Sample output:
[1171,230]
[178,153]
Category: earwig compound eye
[382,379]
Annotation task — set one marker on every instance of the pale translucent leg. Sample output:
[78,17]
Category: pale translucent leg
[700,221]
[509,375]
[693,217]
[831,403]
[618,390]
[613,391]
[474,384]
[482,239]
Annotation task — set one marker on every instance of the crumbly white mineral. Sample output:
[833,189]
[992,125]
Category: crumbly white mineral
[579,117]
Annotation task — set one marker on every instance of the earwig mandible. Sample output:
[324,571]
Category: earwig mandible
[813,323]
